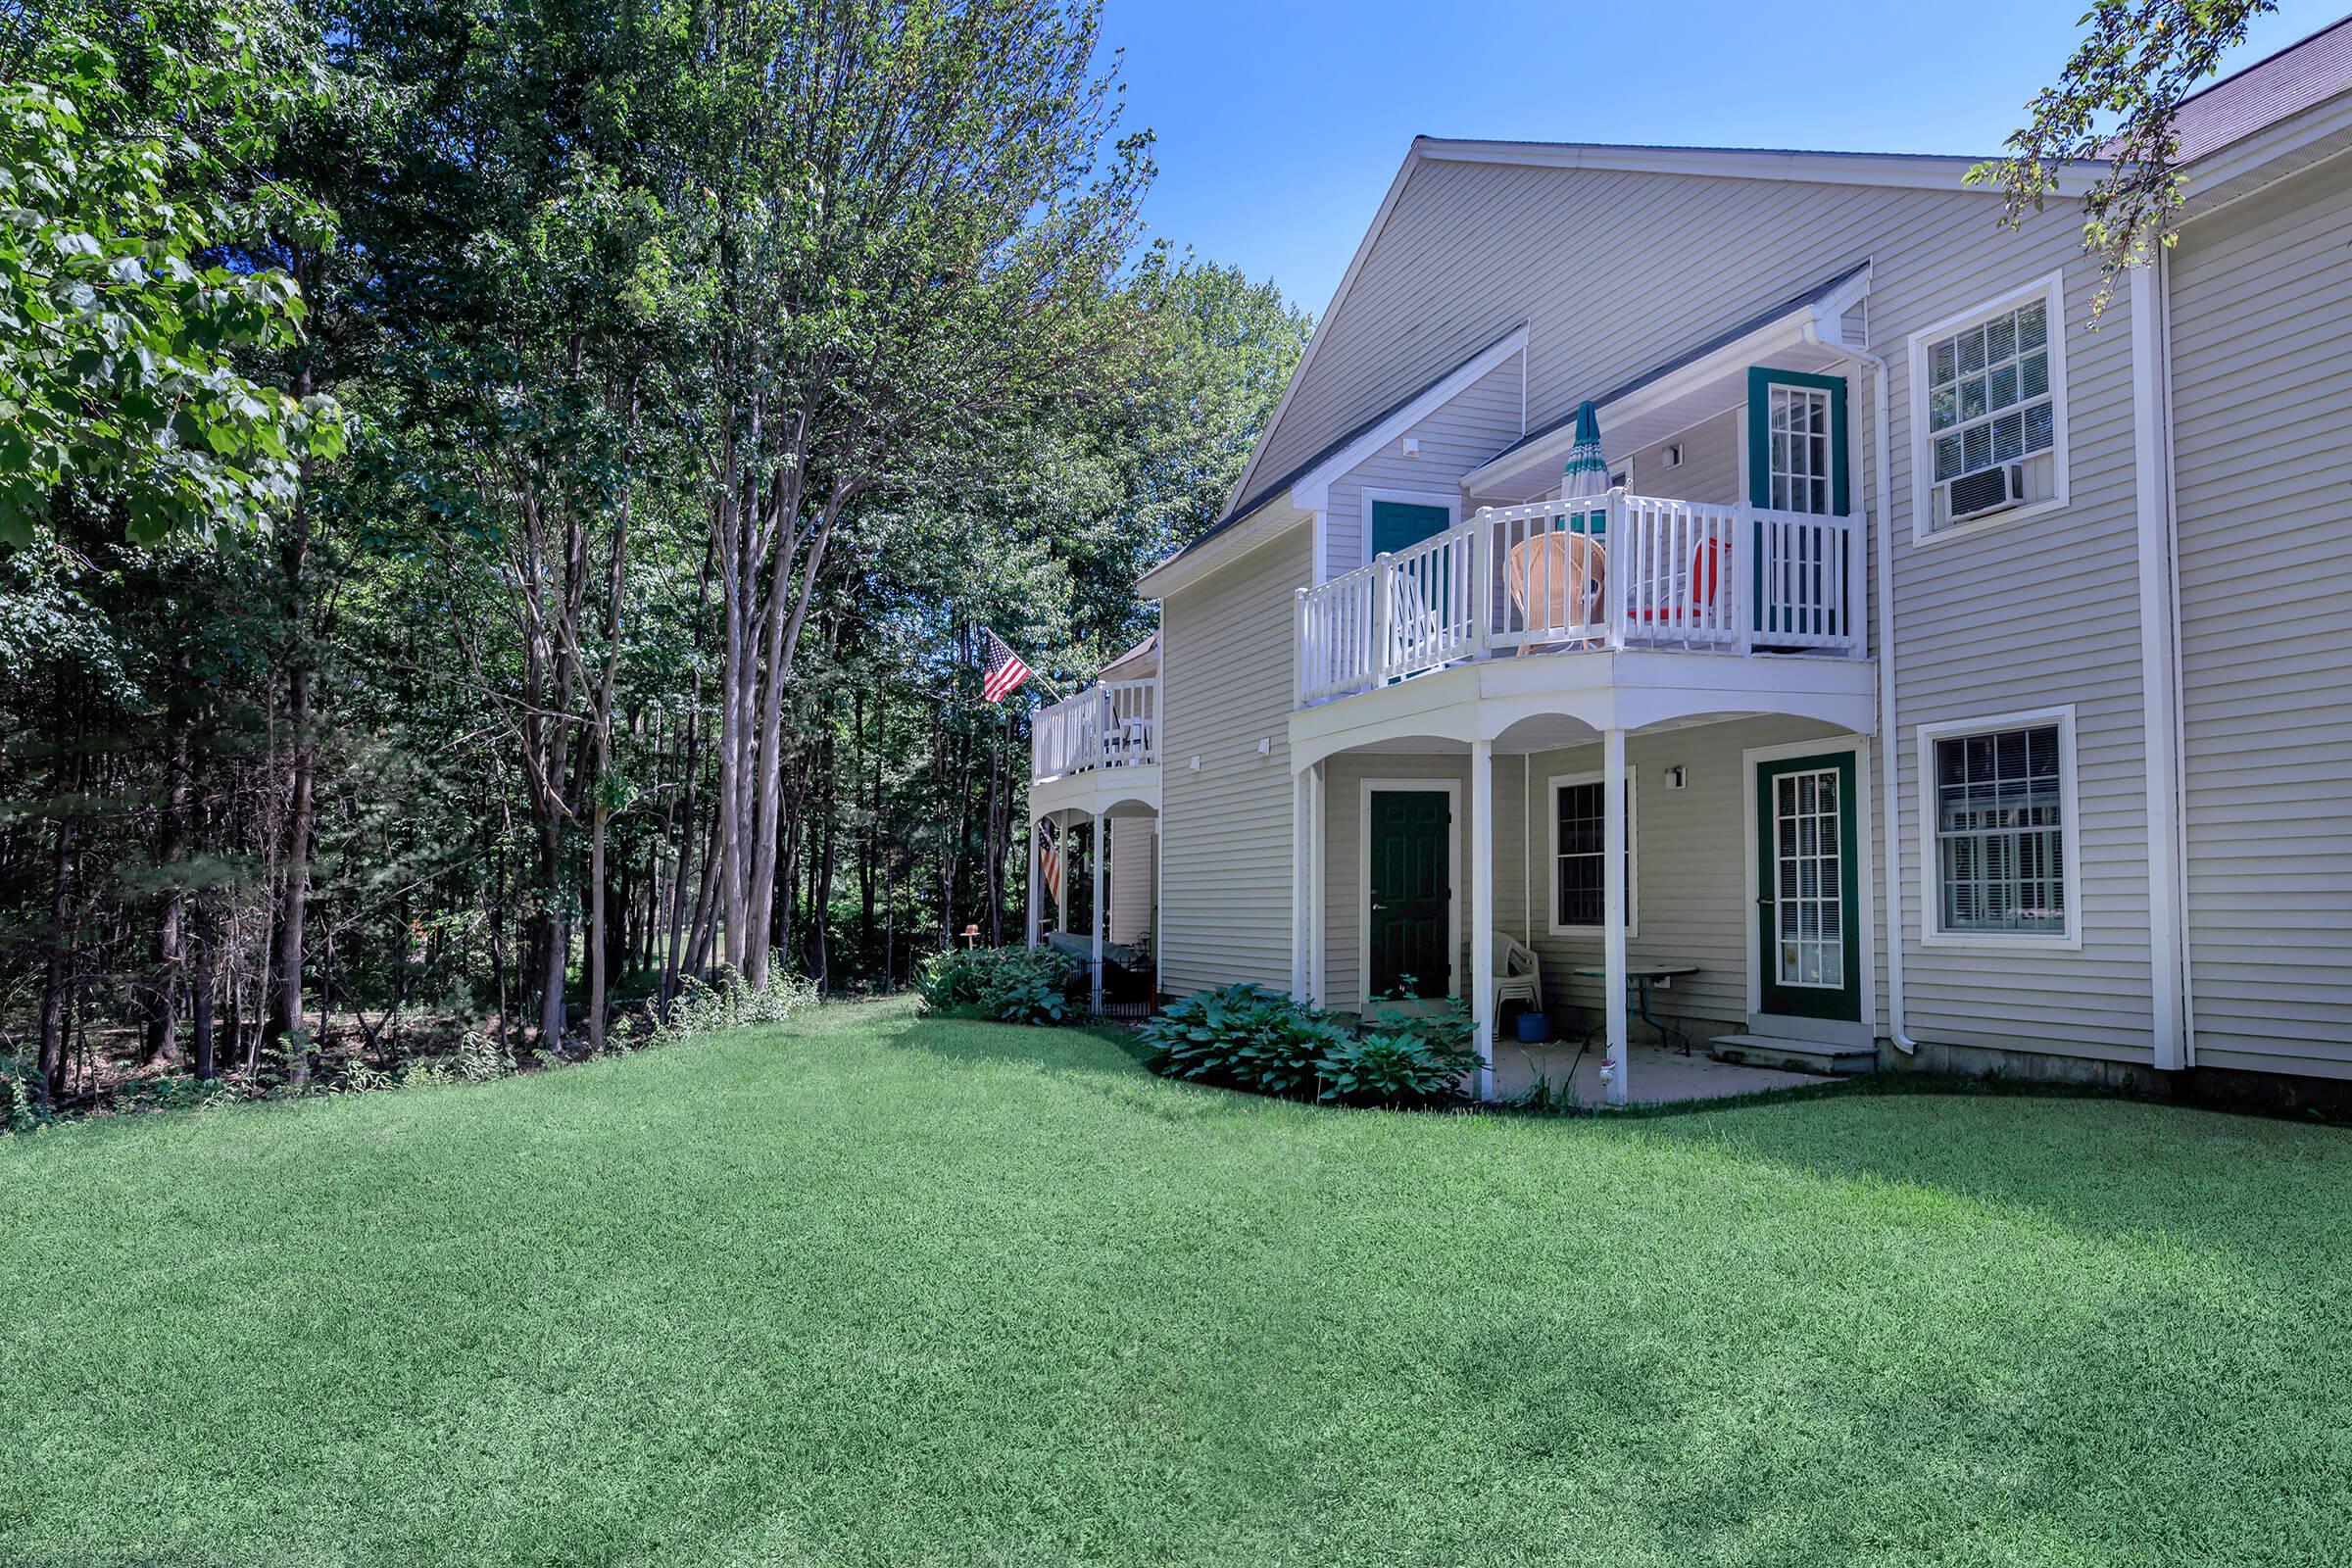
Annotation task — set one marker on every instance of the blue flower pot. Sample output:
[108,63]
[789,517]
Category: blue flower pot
[1533,1028]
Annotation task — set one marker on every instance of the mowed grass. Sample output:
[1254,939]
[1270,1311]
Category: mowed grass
[876,1289]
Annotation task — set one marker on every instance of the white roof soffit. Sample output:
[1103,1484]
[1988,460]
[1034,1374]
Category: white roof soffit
[1805,338]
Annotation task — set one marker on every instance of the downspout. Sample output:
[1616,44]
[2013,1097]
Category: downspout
[1889,772]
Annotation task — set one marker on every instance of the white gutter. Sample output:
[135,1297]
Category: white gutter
[1890,772]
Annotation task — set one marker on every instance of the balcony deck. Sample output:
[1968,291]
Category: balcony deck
[1097,749]
[1608,574]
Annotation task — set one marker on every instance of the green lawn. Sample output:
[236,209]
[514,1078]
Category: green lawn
[880,1291]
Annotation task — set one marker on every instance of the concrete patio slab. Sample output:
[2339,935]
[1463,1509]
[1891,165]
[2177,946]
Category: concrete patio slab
[1657,1076]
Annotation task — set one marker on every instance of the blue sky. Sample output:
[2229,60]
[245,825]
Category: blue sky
[1281,123]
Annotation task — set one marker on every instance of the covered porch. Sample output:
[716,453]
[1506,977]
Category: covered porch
[1650,887]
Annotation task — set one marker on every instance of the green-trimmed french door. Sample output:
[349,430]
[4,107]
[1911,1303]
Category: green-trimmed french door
[1409,893]
[1808,887]
[1796,462]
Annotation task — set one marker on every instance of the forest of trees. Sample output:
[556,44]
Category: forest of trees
[498,502]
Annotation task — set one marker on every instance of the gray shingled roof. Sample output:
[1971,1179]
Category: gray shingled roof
[2306,73]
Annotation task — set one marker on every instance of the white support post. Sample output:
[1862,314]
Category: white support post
[1299,917]
[1744,598]
[1094,858]
[1481,910]
[1063,842]
[1298,660]
[1033,884]
[1318,883]
[1384,583]
[1616,580]
[1612,851]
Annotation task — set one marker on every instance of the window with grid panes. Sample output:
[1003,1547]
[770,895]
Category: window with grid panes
[1990,395]
[2000,832]
[1579,893]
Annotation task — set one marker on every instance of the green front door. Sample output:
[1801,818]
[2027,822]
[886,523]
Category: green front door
[1410,884]
[1809,909]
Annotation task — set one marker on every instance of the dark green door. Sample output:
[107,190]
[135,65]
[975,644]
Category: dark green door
[1809,909]
[1401,524]
[1412,890]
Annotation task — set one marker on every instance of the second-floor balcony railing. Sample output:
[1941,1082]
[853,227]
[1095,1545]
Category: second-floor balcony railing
[1614,571]
[1110,724]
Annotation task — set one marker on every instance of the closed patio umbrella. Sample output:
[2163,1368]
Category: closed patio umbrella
[1587,473]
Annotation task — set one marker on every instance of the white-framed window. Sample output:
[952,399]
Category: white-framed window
[1579,816]
[1988,413]
[1998,831]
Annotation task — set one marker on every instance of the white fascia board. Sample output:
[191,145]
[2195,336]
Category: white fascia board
[1355,263]
[1310,491]
[1905,170]
[1269,523]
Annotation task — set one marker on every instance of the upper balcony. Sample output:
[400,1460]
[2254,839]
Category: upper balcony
[1615,573]
[1111,724]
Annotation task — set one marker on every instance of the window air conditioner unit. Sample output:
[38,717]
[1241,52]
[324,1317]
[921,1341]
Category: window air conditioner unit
[1992,489]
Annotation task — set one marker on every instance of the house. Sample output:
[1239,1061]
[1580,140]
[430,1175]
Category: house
[1940,678]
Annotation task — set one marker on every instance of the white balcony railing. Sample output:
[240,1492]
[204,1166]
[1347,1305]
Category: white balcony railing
[1615,572]
[1110,724]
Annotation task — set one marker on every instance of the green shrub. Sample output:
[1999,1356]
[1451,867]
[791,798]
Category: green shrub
[1012,985]
[1388,1067]
[1243,1037]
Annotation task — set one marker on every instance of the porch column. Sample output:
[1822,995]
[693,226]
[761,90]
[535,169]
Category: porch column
[1482,912]
[1033,880]
[1062,901]
[1612,853]
[1095,860]
[1318,882]
[1302,919]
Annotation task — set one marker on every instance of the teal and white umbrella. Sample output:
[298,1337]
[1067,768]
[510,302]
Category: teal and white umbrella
[1587,474]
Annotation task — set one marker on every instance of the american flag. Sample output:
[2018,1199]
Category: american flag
[1002,670]
[1048,860]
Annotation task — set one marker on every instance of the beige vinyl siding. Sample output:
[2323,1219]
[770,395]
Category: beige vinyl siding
[2023,618]
[1710,470]
[1455,439]
[2262,388]
[1130,868]
[1690,860]
[1228,673]
[1691,864]
[1344,857]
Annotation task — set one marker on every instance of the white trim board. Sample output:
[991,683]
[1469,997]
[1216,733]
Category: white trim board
[1930,881]
[1781,1025]
[1453,788]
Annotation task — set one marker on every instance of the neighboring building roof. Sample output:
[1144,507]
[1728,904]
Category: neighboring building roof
[2310,70]
[1266,493]
[1729,335]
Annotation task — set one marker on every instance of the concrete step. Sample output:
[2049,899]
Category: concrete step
[1797,1056]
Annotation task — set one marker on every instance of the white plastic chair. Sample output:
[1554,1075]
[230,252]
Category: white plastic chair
[1518,974]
